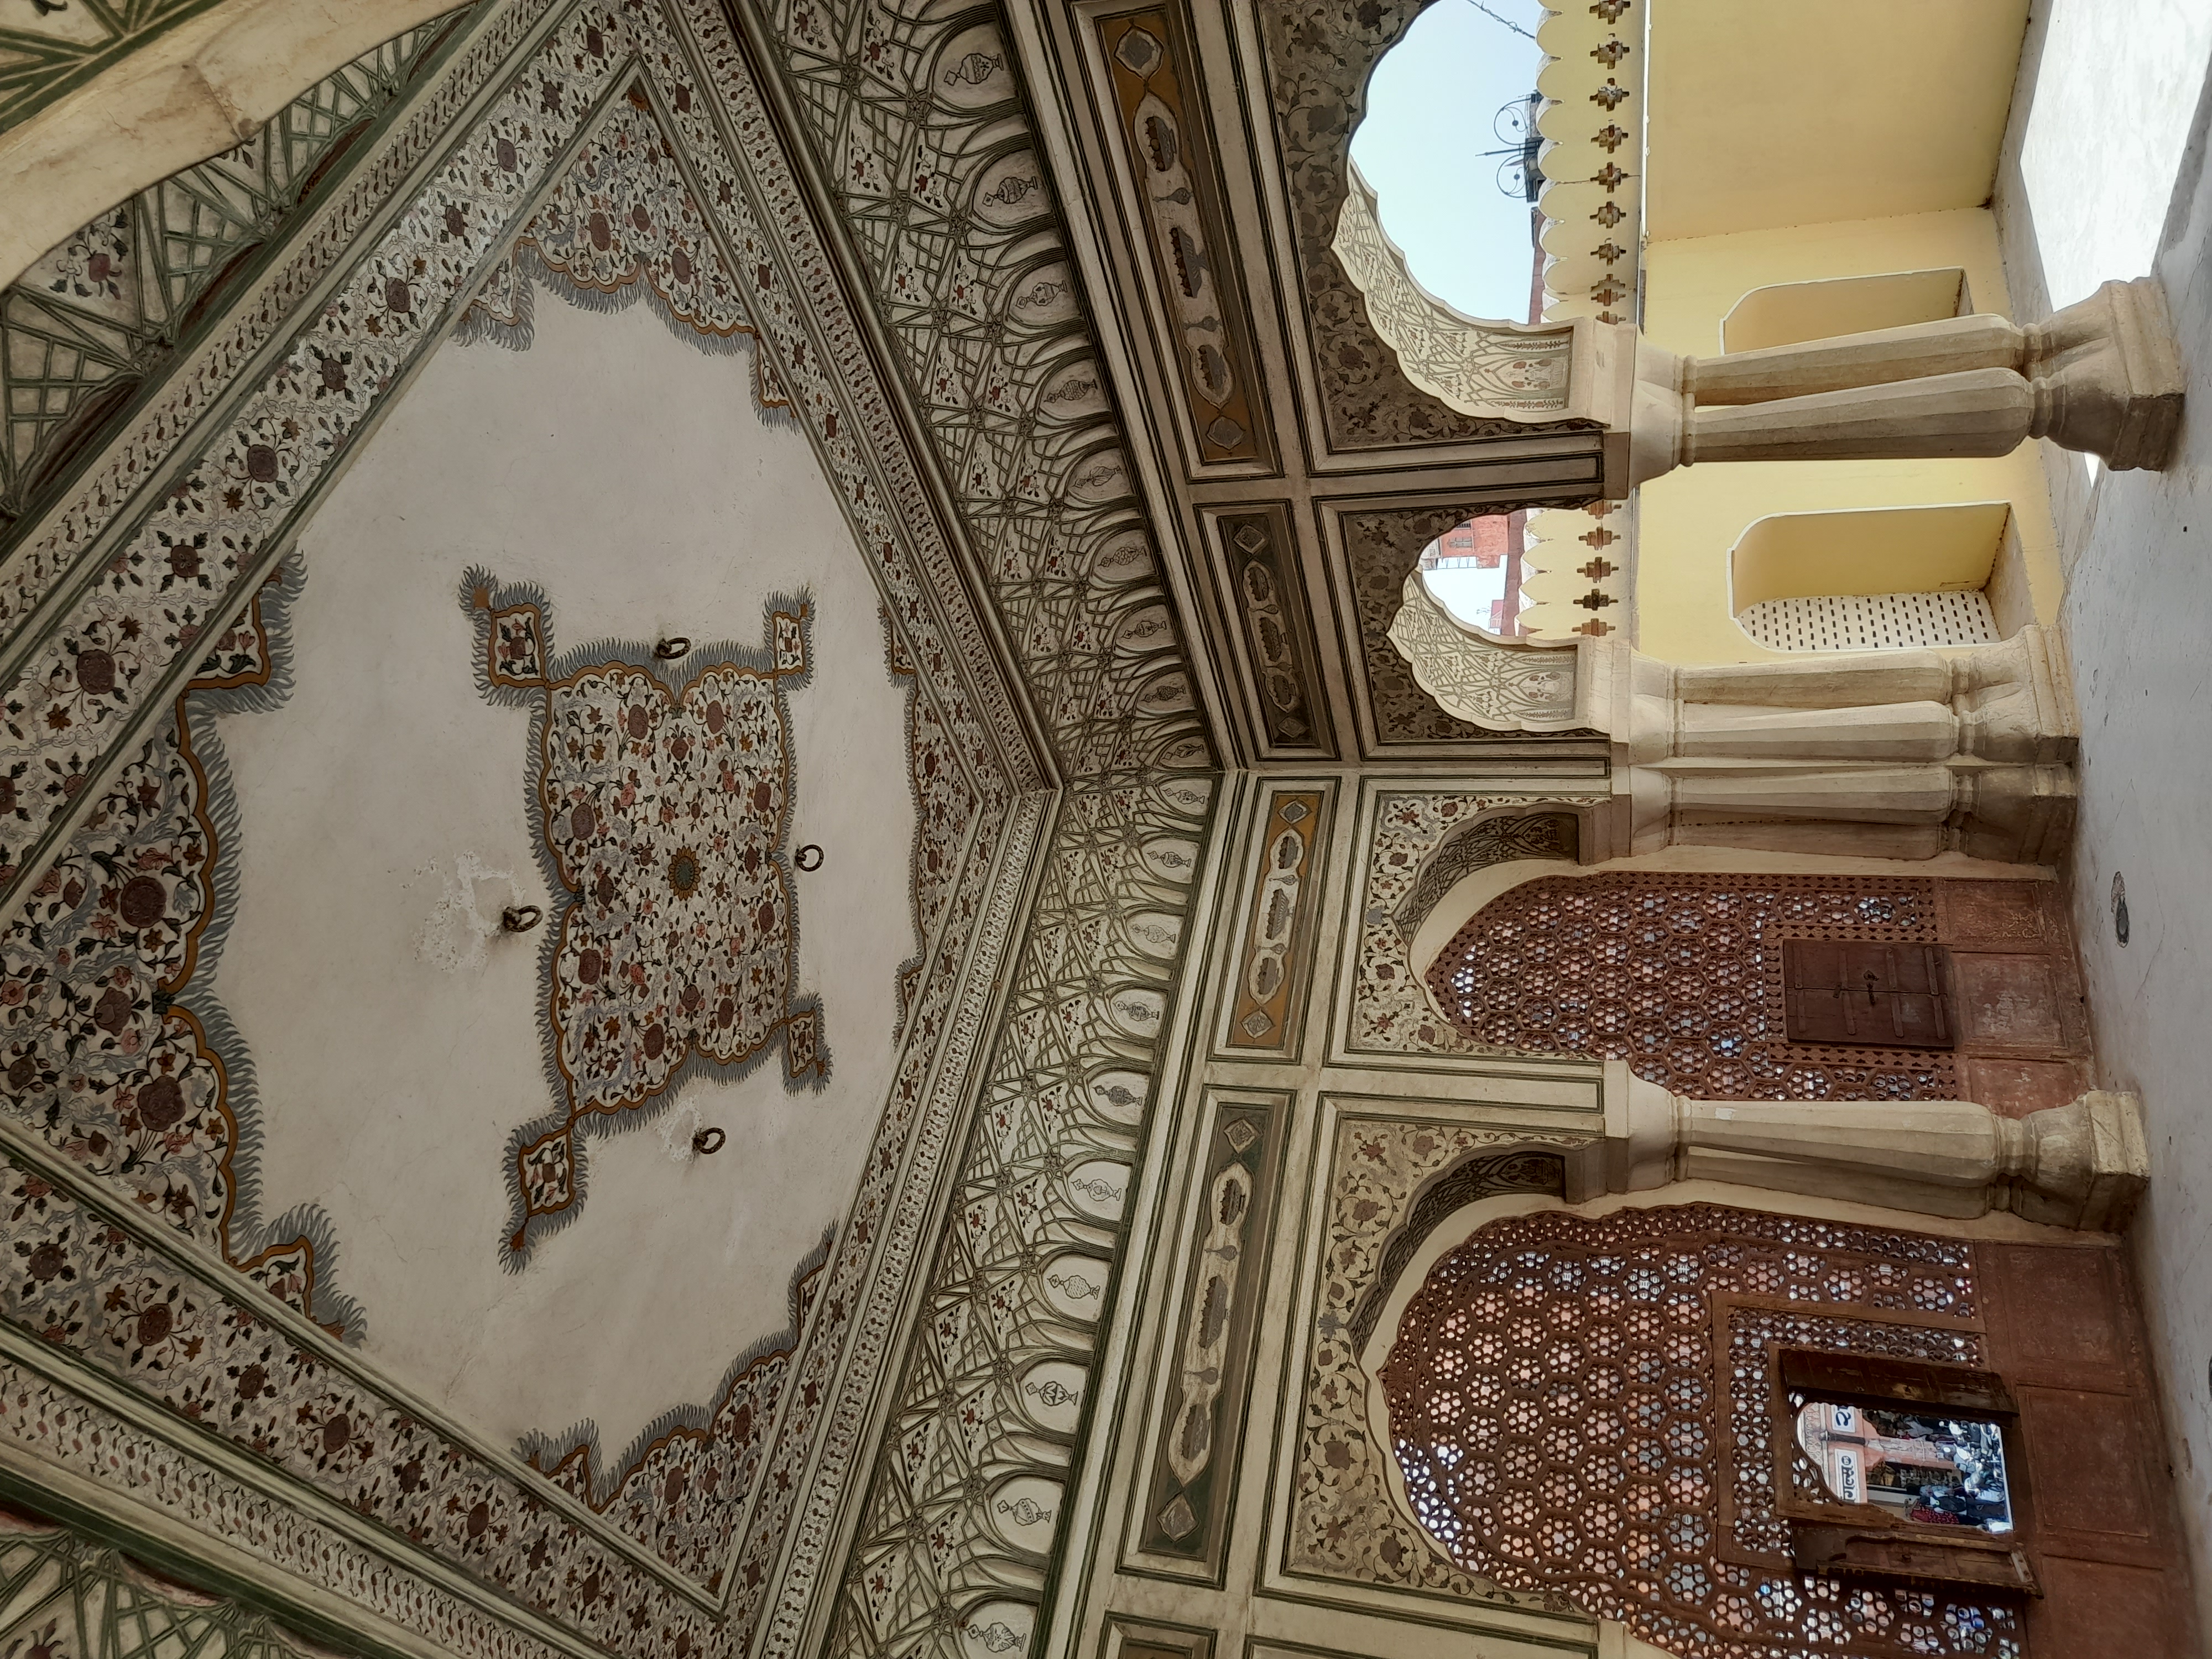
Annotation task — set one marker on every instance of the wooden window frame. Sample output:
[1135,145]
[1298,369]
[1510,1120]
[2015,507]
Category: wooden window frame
[1935,962]
[1865,1540]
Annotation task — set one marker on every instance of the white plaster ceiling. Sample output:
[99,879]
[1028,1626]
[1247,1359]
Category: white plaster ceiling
[632,478]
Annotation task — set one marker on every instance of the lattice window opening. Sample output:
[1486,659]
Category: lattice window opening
[1562,1427]
[1930,1467]
[1681,976]
[1871,622]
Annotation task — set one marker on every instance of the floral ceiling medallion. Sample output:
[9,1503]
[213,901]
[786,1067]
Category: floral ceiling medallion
[663,808]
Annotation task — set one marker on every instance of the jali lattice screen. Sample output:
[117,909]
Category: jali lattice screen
[1680,976]
[1583,1408]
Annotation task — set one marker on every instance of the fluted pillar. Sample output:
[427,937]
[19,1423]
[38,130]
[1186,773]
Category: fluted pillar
[2102,376]
[2080,1165]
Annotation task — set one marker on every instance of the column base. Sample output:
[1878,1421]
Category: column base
[2107,377]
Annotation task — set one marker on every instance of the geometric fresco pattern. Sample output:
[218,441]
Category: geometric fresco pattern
[109,1050]
[965,1501]
[662,799]
[943,805]
[61,1596]
[162,533]
[50,49]
[917,126]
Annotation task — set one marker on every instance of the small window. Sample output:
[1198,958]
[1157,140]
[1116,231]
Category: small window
[1896,1468]
[1789,313]
[1924,1467]
[1879,995]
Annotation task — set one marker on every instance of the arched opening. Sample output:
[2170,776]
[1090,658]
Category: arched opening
[1477,571]
[1733,984]
[1605,1402]
[1462,84]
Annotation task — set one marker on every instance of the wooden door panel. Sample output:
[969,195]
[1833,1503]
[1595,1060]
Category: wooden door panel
[1883,995]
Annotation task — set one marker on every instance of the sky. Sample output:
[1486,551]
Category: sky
[1432,111]
[1468,591]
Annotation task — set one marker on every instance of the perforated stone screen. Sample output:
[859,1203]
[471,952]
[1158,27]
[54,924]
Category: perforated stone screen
[1583,1408]
[1681,975]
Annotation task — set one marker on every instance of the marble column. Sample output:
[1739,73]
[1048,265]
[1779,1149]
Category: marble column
[1896,754]
[2081,1165]
[2102,376]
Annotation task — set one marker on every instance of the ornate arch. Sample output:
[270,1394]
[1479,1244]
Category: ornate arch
[171,86]
[1320,56]
[1580,1406]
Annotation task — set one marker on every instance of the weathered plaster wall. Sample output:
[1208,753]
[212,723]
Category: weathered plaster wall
[632,478]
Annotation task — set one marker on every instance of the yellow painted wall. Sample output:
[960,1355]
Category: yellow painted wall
[1688,520]
[1765,113]
[1904,550]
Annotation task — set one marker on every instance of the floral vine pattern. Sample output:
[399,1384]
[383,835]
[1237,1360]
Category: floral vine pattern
[213,1355]
[621,223]
[1415,836]
[110,1051]
[662,810]
[1342,1522]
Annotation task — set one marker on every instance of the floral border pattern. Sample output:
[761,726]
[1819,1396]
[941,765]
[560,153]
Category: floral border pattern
[679,1485]
[989,1394]
[112,1049]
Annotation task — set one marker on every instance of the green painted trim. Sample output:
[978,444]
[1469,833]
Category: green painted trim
[66,1371]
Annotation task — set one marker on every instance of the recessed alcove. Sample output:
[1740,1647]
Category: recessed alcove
[1787,313]
[1880,578]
